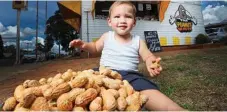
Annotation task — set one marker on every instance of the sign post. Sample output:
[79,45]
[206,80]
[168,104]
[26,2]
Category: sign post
[18,5]
[18,38]
[152,41]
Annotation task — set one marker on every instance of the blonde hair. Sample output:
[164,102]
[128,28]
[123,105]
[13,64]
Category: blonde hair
[117,3]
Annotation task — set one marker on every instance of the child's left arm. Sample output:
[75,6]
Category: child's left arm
[150,59]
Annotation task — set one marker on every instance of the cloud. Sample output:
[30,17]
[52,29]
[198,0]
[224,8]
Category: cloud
[55,49]
[214,14]
[26,44]
[9,43]
[28,31]
[1,27]
[11,31]
[34,9]
[30,45]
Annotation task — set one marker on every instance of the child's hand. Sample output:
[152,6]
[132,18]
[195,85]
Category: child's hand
[76,43]
[153,66]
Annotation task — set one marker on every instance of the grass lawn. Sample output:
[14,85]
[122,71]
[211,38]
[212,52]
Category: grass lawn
[195,80]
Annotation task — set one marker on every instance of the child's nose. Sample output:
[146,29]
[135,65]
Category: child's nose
[122,20]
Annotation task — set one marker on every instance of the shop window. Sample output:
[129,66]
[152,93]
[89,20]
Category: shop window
[146,10]
[102,9]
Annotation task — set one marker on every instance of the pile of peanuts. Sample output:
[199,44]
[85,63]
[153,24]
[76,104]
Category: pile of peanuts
[86,90]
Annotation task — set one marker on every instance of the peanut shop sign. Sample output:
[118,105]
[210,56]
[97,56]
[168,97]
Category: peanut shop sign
[183,20]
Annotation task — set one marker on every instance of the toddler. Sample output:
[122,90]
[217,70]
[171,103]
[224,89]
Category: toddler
[121,51]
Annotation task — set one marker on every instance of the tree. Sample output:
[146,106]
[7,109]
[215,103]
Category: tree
[225,28]
[1,47]
[10,49]
[48,43]
[40,47]
[59,31]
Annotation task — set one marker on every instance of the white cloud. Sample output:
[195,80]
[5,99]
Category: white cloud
[214,14]
[30,44]
[39,40]
[9,43]
[11,31]
[1,27]
[26,44]
[55,49]
[28,31]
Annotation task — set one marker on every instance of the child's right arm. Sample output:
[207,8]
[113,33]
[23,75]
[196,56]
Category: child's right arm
[92,47]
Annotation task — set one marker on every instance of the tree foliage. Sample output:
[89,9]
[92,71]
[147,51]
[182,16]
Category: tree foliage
[59,31]
[201,39]
[225,28]
[1,47]
[40,47]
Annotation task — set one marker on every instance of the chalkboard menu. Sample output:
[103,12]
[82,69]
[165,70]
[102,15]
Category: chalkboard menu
[152,41]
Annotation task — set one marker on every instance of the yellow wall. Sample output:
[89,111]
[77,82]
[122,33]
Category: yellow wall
[176,40]
[188,40]
[163,41]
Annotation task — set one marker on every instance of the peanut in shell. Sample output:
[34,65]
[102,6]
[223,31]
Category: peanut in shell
[86,97]
[10,104]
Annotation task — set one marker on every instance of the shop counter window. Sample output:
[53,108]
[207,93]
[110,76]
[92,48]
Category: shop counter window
[146,10]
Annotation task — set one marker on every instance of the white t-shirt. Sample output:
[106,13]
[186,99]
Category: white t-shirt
[120,56]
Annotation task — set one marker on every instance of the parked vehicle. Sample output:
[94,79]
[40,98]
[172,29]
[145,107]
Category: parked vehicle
[51,55]
[31,57]
[216,34]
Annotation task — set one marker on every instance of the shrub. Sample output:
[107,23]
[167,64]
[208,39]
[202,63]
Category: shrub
[224,40]
[201,39]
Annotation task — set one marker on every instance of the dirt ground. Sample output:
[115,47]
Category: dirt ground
[10,77]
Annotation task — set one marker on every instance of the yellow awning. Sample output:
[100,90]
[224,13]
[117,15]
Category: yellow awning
[71,12]
[163,7]
[93,9]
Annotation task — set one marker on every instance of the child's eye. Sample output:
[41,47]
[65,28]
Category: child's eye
[128,16]
[116,16]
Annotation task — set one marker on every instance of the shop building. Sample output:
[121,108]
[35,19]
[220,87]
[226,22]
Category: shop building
[176,22]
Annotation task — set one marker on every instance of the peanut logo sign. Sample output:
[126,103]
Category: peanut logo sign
[183,20]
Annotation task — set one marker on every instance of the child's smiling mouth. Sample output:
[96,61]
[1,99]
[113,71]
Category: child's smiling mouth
[122,27]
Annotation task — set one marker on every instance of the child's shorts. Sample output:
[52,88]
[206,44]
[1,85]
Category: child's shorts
[136,79]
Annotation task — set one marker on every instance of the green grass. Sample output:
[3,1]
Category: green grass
[196,80]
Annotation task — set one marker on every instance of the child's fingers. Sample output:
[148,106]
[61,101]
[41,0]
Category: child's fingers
[158,59]
[78,42]
[156,71]
[71,44]
[160,68]
[75,43]
[152,74]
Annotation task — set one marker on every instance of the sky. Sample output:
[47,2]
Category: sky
[8,23]
[213,12]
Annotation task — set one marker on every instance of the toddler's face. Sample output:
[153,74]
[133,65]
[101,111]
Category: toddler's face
[122,19]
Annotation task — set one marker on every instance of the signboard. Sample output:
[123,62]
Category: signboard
[183,20]
[152,41]
[20,4]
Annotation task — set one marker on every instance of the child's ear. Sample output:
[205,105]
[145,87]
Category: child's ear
[109,21]
[134,23]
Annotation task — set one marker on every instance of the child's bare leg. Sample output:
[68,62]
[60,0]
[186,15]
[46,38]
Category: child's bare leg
[159,101]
